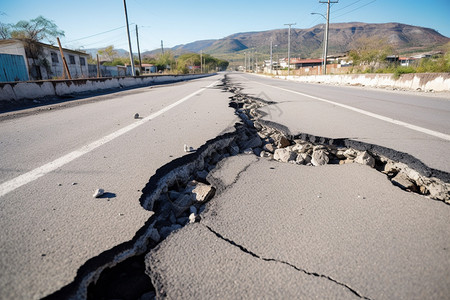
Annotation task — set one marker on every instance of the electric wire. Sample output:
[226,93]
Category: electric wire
[359,7]
[86,37]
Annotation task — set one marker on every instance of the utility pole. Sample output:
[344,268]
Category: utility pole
[129,40]
[289,47]
[162,47]
[245,61]
[139,51]
[328,2]
[201,61]
[66,67]
[271,56]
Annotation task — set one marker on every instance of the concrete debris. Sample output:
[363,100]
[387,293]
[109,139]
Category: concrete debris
[319,157]
[403,181]
[202,174]
[203,192]
[234,150]
[174,195]
[192,218]
[182,204]
[283,142]
[188,149]
[340,154]
[193,210]
[253,142]
[98,193]
[364,158]
[284,155]
[257,151]
[269,148]
[350,153]
[248,151]
[303,159]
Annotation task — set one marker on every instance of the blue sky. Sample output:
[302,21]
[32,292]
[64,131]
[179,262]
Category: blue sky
[179,22]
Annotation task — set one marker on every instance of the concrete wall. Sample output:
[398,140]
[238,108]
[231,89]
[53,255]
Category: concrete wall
[439,82]
[13,92]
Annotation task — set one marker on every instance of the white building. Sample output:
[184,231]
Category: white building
[44,61]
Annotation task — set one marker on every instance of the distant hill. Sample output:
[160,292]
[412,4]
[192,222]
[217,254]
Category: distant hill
[227,45]
[307,43]
[93,51]
[194,47]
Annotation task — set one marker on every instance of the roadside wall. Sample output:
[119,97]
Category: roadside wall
[439,82]
[16,91]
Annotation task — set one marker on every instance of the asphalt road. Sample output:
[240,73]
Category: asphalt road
[51,162]
[282,231]
[414,123]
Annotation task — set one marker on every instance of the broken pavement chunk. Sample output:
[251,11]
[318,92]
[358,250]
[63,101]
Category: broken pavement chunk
[364,158]
[98,193]
[284,155]
[404,182]
[203,192]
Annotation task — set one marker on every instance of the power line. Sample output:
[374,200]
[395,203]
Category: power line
[339,9]
[83,38]
[346,13]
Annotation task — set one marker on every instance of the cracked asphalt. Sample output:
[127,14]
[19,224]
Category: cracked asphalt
[279,230]
[273,230]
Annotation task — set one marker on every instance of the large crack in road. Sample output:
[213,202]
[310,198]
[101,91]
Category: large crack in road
[179,191]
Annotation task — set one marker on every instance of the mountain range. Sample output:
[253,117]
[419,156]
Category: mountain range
[308,43]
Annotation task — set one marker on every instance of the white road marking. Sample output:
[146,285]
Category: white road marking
[368,113]
[28,177]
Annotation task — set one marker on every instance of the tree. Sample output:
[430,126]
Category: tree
[165,61]
[186,61]
[5,31]
[37,30]
[369,51]
[108,53]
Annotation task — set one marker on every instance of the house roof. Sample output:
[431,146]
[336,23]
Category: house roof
[306,61]
[19,41]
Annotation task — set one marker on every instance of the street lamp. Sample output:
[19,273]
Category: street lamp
[289,47]
[324,45]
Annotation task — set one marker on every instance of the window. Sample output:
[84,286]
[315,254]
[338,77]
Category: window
[72,59]
[82,61]
[54,57]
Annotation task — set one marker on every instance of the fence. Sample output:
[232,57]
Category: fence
[108,71]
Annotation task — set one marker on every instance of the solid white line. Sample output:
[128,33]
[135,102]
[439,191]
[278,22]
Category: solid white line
[28,177]
[368,113]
